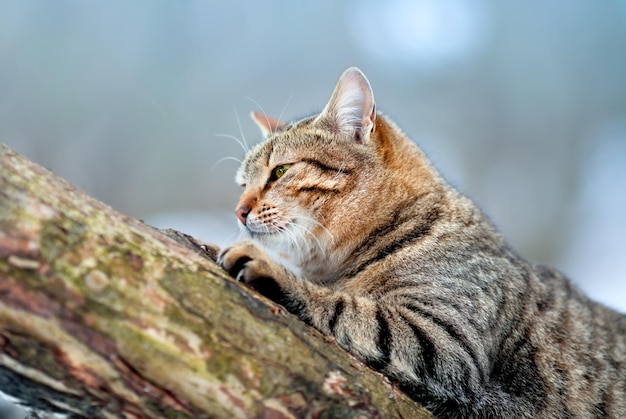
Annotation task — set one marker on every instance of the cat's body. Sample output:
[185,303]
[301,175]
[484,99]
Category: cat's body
[409,276]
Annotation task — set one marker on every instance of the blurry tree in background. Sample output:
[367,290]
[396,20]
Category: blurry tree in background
[522,105]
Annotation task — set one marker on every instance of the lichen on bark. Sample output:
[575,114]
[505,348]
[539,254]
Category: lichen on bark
[104,316]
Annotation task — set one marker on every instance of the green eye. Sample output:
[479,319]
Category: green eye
[279,171]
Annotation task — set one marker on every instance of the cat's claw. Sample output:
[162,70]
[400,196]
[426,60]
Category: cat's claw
[238,259]
[249,264]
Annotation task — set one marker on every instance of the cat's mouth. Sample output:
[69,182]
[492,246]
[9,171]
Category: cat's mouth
[271,240]
[295,235]
[263,230]
[263,234]
[260,234]
[277,237]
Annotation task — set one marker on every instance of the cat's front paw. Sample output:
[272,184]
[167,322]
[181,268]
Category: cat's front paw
[248,263]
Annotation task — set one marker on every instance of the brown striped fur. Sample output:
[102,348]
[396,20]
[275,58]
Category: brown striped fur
[408,275]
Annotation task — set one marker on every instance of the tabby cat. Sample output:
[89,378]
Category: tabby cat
[409,276]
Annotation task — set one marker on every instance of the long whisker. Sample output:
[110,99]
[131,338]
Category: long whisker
[317,240]
[304,230]
[223,159]
[296,236]
[314,221]
[241,143]
[258,105]
[340,171]
[236,235]
[243,136]
[280,117]
[295,243]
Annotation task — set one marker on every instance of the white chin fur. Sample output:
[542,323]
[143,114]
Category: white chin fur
[294,244]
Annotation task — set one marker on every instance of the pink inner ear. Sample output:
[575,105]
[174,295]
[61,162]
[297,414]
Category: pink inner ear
[266,123]
[351,108]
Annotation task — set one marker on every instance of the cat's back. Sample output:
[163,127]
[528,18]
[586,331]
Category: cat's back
[579,347]
[410,276]
[526,330]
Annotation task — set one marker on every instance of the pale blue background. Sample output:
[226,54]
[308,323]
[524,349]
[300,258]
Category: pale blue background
[521,104]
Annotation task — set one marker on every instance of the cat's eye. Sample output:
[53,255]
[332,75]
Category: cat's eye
[279,171]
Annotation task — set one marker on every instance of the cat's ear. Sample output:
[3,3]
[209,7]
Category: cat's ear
[351,109]
[267,124]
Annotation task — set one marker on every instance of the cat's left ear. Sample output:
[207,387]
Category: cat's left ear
[351,110]
[267,124]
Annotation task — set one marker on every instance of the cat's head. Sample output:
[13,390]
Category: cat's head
[313,187]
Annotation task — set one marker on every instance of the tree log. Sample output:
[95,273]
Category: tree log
[104,316]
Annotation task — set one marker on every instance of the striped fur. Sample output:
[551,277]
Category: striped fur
[409,276]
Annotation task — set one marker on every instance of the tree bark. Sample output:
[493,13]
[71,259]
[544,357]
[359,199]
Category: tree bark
[104,316]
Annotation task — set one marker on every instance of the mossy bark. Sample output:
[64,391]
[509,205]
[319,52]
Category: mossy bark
[104,316]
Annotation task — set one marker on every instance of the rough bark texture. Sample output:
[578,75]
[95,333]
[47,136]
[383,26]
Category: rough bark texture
[104,316]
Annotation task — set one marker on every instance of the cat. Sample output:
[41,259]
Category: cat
[409,276]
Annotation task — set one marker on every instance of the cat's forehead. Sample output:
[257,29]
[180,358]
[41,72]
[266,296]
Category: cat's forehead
[285,143]
[292,143]
[302,139]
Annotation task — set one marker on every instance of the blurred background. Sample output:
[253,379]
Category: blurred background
[522,105]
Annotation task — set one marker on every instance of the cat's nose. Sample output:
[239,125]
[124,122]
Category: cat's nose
[242,213]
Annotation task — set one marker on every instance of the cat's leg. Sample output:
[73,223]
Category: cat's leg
[425,357]
[250,264]
[357,323]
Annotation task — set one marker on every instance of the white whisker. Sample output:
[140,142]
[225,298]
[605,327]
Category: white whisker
[314,221]
[223,159]
[307,234]
[340,171]
[295,245]
[280,117]
[234,236]
[258,105]
[243,137]
[315,238]
[298,239]
[241,143]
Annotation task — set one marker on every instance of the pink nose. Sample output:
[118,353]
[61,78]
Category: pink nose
[242,213]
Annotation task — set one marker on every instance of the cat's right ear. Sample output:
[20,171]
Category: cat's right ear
[351,110]
[267,124]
